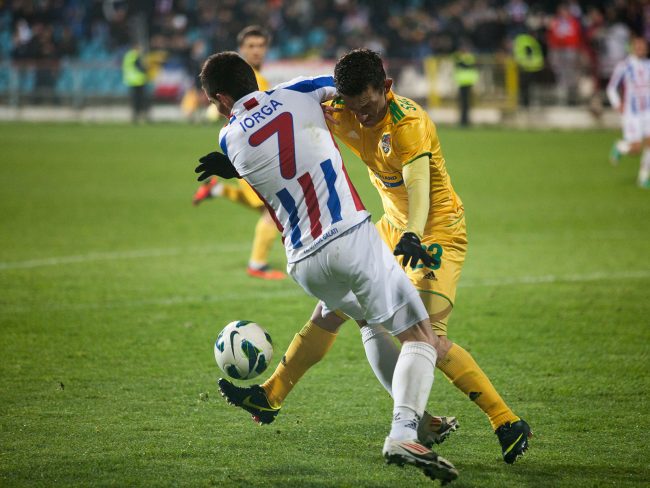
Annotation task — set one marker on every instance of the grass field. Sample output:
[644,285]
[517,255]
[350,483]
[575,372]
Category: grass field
[113,289]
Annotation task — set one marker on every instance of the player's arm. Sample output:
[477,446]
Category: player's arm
[416,179]
[612,86]
[321,88]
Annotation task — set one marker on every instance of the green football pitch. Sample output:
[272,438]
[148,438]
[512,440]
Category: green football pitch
[114,288]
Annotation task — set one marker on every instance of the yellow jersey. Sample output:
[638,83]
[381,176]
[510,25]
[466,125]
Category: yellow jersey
[262,82]
[405,133]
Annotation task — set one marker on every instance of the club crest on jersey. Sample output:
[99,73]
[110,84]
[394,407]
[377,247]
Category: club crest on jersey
[385,143]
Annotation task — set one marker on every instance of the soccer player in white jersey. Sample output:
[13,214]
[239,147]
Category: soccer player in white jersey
[279,143]
[633,73]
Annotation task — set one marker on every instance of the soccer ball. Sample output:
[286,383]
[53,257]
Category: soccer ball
[243,349]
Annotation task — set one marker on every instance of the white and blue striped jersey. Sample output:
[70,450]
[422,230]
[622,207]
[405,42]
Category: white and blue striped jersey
[279,143]
[634,74]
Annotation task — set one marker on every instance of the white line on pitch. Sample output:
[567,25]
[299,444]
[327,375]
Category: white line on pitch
[117,255]
[571,278]
[294,291]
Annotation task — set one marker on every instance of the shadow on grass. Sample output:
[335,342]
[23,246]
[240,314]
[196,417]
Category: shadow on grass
[537,474]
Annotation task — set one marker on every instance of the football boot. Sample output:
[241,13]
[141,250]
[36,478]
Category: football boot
[413,453]
[434,430]
[513,437]
[205,191]
[251,398]
[265,273]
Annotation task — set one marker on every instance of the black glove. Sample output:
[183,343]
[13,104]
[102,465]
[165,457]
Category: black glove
[216,164]
[410,247]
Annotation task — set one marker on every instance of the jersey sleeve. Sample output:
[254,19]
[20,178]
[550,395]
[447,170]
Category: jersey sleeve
[612,86]
[223,143]
[411,141]
[417,179]
[321,88]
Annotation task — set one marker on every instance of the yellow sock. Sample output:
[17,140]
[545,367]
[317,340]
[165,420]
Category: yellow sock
[265,233]
[307,348]
[235,194]
[461,369]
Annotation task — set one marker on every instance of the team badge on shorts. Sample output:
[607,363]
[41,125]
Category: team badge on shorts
[385,143]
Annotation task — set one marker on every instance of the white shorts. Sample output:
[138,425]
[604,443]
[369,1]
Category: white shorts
[636,127]
[357,274]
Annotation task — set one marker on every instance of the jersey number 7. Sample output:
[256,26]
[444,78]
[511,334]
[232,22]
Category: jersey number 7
[282,125]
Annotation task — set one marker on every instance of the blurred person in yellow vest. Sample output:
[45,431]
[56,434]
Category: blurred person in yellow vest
[134,75]
[253,44]
[193,96]
[466,76]
[529,57]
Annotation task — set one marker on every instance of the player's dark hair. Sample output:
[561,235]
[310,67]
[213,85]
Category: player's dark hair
[252,31]
[357,70]
[228,73]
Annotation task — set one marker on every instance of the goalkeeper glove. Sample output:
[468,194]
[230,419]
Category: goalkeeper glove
[410,247]
[215,164]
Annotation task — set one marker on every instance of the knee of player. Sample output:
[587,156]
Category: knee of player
[419,332]
[444,344]
[331,322]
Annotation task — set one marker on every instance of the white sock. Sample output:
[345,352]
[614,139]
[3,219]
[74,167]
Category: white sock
[257,265]
[644,168]
[217,190]
[623,146]
[412,381]
[382,353]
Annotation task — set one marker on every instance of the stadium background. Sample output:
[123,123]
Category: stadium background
[63,53]
[113,287]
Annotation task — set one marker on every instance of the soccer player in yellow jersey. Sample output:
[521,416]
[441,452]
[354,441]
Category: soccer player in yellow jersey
[422,213]
[253,43]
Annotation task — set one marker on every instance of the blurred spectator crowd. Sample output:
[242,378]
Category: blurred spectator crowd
[49,31]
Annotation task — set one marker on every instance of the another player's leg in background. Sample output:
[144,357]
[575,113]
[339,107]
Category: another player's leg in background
[632,141]
[265,235]
[265,230]
[620,148]
[643,179]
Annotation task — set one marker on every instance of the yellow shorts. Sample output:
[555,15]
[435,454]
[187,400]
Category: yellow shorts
[249,194]
[440,279]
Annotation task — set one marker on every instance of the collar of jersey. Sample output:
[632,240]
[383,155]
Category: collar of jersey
[387,118]
[238,106]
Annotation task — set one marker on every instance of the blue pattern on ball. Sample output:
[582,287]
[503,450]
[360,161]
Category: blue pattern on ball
[232,371]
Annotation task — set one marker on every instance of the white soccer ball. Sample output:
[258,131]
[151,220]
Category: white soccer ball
[243,349]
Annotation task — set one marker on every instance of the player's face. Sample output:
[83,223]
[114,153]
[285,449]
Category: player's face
[640,47]
[369,107]
[253,50]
